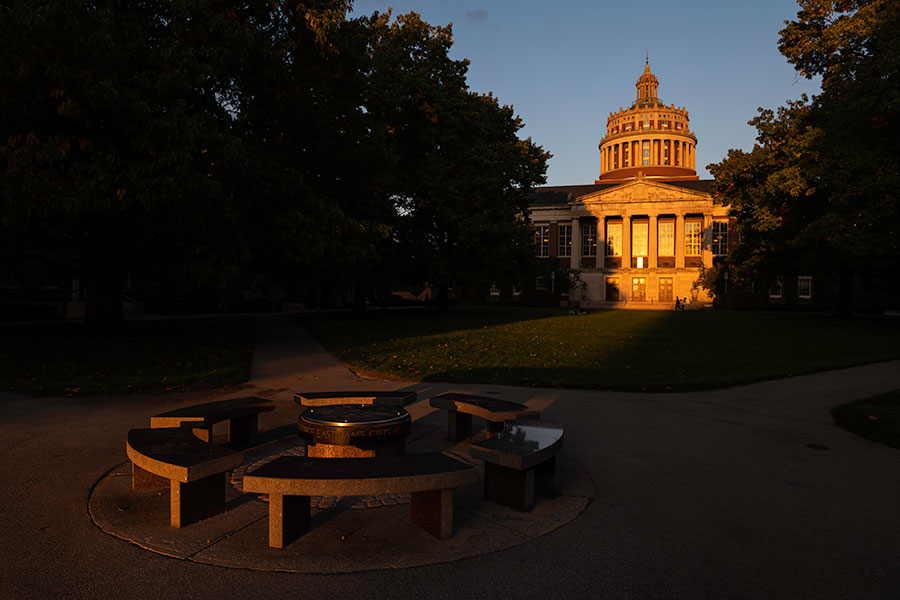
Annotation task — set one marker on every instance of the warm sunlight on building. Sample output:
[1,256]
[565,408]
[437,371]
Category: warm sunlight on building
[640,233]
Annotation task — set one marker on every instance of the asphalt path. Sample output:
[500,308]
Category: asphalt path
[748,492]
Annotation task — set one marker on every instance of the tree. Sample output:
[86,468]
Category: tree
[131,143]
[461,174]
[819,190]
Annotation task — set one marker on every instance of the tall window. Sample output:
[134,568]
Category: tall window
[565,240]
[665,289]
[614,238]
[645,153]
[625,154]
[804,287]
[612,289]
[542,239]
[665,153]
[639,289]
[589,239]
[639,231]
[720,238]
[692,238]
[666,238]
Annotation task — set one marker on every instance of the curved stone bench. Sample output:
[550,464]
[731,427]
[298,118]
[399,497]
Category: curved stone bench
[512,457]
[461,407]
[242,415]
[396,399]
[289,481]
[194,470]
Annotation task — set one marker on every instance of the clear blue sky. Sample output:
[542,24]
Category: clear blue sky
[564,65]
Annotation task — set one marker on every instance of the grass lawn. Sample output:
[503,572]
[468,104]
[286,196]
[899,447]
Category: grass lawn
[145,356]
[610,350]
[876,418]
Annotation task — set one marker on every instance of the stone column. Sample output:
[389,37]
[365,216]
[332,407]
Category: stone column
[652,239]
[679,241]
[575,259]
[706,248]
[601,243]
[626,241]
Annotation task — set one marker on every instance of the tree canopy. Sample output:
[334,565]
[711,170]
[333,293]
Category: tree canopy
[186,144]
[818,192]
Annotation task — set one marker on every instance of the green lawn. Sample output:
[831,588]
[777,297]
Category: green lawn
[145,356]
[876,418]
[610,350]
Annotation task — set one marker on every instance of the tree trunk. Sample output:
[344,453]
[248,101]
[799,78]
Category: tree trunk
[442,301]
[359,300]
[844,306]
[104,287]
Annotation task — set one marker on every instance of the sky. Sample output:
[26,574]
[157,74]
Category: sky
[564,65]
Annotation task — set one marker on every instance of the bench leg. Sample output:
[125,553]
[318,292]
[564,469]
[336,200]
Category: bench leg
[494,427]
[288,518]
[242,430]
[509,487]
[197,500]
[459,425]
[547,468]
[432,510]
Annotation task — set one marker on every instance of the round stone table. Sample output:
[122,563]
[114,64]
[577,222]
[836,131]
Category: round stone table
[354,430]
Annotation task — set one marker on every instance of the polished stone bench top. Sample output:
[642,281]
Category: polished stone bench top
[491,409]
[174,453]
[523,444]
[303,476]
[212,412]
[378,398]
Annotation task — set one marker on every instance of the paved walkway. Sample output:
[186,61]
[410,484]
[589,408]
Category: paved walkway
[749,492]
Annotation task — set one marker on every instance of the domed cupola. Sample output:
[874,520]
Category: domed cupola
[647,85]
[648,139]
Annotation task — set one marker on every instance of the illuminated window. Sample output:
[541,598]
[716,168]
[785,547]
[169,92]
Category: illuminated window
[589,239]
[645,124]
[665,154]
[665,289]
[666,238]
[614,238]
[565,240]
[639,231]
[645,150]
[804,287]
[720,238]
[542,239]
[639,289]
[692,238]
[625,155]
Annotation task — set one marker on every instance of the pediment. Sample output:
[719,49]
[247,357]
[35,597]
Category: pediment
[640,191]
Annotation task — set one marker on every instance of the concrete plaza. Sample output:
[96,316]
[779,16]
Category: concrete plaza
[748,492]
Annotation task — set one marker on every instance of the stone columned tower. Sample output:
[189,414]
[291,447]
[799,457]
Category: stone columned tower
[649,138]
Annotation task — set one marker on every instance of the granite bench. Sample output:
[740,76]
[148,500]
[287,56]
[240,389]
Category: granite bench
[461,407]
[289,481]
[242,415]
[396,399]
[512,457]
[194,470]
